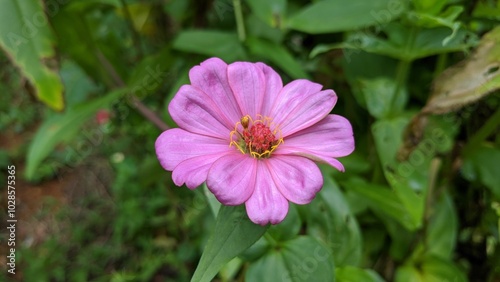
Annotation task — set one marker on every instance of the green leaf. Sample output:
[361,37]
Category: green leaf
[79,44]
[26,36]
[482,165]
[379,94]
[271,12]
[442,230]
[354,274]
[344,235]
[405,43]
[62,127]
[225,45]
[288,228]
[383,199]
[301,259]
[431,269]
[151,73]
[446,18]
[277,54]
[338,15]
[76,82]
[405,182]
[233,234]
[359,66]
[213,203]
[429,6]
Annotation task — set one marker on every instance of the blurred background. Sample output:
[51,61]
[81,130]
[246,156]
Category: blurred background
[85,86]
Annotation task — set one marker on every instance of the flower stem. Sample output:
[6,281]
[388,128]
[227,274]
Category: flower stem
[240,24]
[490,126]
[401,77]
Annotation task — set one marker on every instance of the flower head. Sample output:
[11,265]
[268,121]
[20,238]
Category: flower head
[253,140]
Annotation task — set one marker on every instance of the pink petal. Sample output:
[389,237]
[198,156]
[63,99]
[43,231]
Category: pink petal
[267,204]
[297,178]
[248,85]
[232,178]
[273,88]
[328,139]
[300,105]
[211,77]
[193,172]
[196,112]
[176,145]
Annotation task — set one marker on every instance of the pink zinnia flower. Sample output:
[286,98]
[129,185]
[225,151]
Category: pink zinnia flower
[252,139]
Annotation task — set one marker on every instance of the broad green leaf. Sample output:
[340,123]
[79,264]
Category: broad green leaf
[431,269]
[402,239]
[379,96]
[344,235]
[288,228]
[430,6]
[405,43]
[359,66]
[338,15]
[225,45]
[485,9]
[257,250]
[85,5]
[79,44]
[277,54]
[270,267]
[405,178]
[354,274]
[233,234]
[26,36]
[151,73]
[469,80]
[62,127]
[383,199]
[446,18]
[271,12]
[257,28]
[76,82]
[301,259]
[442,231]
[481,165]
[231,269]
[213,203]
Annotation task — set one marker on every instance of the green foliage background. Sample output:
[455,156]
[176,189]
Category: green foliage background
[85,86]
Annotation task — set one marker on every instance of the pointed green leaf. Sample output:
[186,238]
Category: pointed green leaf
[225,45]
[62,127]
[270,12]
[354,274]
[300,259]
[382,199]
[278,55]
[431,269]
[482,165]
[404,178]
[233,234]
[405,43]
[26,36]
[339,15]
[343,234]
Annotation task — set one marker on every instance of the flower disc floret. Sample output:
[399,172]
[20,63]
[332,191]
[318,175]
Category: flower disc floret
[255,137]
